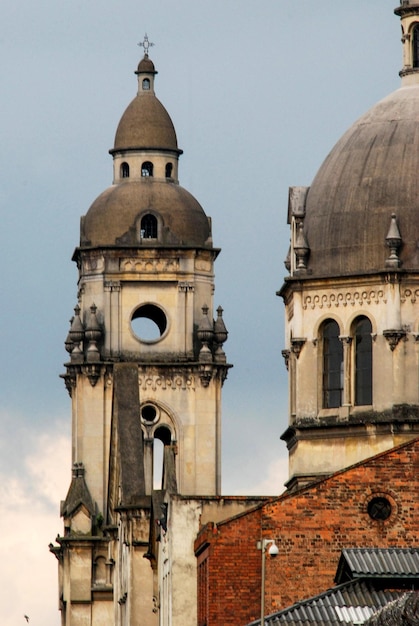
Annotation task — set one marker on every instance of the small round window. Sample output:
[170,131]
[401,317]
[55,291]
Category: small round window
[379,509]
[149,414]
[149,322]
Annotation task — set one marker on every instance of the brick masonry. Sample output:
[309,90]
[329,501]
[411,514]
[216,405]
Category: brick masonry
[311,527]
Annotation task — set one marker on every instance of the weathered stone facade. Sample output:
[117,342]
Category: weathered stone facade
[145,372]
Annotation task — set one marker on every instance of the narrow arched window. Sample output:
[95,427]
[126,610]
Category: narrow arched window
[363,361]
[124,170]
[415,44]
[146,84]
[332,365]
[169,168]
[147,169]
[162,439]
[149,227]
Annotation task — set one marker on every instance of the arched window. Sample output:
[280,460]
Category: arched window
[146,84]
[124,170]
[162,438]
[147,169]
[149,227]
[332,365]
[415,44]
[363,360]
[169,168]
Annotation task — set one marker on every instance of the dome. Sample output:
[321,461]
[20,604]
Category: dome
[112,218]
[146,66]
[371,173]
[145,124]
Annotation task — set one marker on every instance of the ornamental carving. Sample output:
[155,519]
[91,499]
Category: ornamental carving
[394,336]
[149,265]
[297,344]
[184,286]
[169,382]
[348,298]
[410,294]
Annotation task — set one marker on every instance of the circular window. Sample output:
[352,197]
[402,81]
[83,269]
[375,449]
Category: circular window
[149,413]
[149,323]
[379,509]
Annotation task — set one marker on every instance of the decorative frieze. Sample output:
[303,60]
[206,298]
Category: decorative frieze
[348,298]
[173,382]
[409,294]
[149,265]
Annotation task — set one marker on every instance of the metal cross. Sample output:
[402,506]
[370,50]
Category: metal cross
[145,44]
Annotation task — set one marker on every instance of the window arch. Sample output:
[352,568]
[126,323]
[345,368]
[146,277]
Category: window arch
[147,169]
[124,170]
[162,442]
[149,227]
[169,168]
[415,45]
[146,84]
[332,365]
[362,330]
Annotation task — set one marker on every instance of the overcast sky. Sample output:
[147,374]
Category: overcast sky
[259,92]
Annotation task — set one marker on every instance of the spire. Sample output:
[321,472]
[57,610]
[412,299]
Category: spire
[78,494]
[394,242]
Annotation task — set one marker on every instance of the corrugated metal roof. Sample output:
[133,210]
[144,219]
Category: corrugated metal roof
[405,610]
[393,562]
[346,605]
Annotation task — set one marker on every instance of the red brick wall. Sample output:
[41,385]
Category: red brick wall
[233,570]
[311,528]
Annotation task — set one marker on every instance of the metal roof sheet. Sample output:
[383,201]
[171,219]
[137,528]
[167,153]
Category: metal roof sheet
[364,562]
[346,605]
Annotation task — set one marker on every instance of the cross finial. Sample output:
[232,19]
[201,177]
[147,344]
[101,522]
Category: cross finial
[145,44]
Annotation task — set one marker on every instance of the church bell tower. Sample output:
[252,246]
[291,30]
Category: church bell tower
[145,371]
[351,295]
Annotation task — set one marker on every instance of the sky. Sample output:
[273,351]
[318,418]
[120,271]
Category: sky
[259,92]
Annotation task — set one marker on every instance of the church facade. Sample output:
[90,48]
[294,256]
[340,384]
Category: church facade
[148,538]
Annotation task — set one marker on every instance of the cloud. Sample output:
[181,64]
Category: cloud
[269,482]
[30,494]
[272,479]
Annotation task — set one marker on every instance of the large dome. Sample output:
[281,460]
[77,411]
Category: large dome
[145,124]
[372,172]
[112,218]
